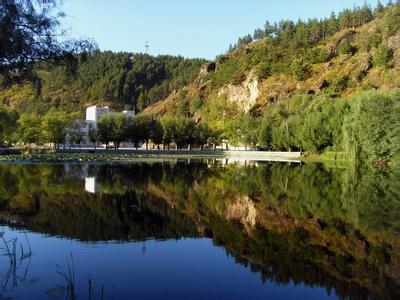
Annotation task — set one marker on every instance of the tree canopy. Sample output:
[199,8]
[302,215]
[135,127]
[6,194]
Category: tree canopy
[29,32]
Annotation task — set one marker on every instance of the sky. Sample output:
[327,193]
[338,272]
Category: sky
[191,28]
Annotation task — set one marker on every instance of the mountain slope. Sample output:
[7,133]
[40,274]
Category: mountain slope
[350,61]
[115,79]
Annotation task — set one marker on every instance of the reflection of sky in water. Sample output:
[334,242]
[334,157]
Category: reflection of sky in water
[309,224]
[172,269]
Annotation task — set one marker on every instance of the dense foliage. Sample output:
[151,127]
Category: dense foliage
[292,48]
[120,80]
[363,128]
[29,32]
[142,130]
[322,123]
[305,34]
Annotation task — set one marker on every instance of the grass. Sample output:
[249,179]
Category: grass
[16,258]
[69,278]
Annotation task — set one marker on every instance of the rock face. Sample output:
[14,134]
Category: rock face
[394,44]
[244,95]
[207,68]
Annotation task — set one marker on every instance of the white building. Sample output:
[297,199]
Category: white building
[94,113]
[92,116]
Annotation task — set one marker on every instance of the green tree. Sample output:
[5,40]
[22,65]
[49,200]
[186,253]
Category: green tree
[105,129]
[168,125]
[156,132]
[203,134]
[29,32]
[55,126]
[120,130]
[371,129]
[332,24]
[298,70]
[8,123]
[243,130]
[143,127]
[74,132]
[93,134]
[30,129]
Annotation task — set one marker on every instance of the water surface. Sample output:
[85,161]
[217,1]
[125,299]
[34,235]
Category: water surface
[200,230]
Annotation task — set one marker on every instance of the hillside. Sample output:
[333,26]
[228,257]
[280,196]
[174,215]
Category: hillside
[104,78]
[329,86]
[274,69]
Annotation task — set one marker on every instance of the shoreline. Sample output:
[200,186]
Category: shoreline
[103,155]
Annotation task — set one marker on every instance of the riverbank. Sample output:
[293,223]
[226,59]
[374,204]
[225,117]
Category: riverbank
[103,155]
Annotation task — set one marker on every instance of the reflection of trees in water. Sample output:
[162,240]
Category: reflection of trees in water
[368,200]
[308,223]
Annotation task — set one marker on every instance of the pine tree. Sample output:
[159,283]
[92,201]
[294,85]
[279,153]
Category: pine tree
[332,24]
[379,8]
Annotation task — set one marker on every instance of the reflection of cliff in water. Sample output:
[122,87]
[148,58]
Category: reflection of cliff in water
[336,228]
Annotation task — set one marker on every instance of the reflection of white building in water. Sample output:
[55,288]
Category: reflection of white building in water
[90,185]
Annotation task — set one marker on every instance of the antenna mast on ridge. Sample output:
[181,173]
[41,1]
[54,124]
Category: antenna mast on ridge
[147,46]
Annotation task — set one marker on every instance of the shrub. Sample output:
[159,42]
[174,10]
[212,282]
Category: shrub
[375,39]
[298,70]
[263,70]
[344,47]
[338,85]
[382,56]
[316,56]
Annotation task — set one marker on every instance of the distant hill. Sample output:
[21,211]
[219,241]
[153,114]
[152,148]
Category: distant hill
[339,56]
[104,78]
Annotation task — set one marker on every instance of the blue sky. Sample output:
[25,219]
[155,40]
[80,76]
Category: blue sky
[192,28]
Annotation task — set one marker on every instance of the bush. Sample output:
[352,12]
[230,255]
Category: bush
[344,47]
[316,56]
[263,70]
[195,105]
[338,85]
[225,73]
[298,70]
[382,56]
[374,39]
